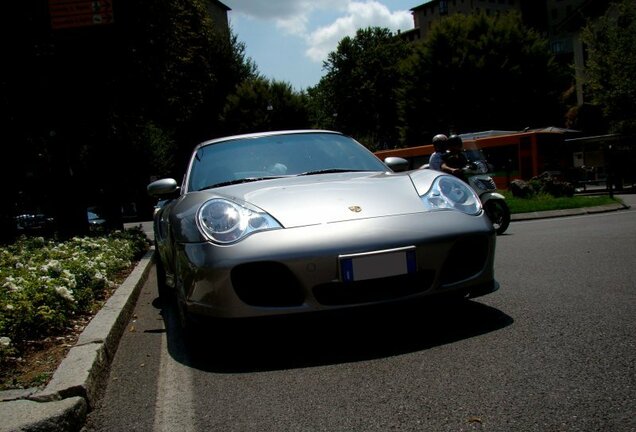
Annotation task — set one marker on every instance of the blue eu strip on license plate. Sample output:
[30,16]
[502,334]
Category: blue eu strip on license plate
[377,265]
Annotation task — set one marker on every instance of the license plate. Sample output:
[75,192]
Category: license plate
[376,265]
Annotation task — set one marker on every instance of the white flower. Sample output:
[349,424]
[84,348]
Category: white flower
[5,342]
[10,284]
[9,307]
[52,265]
[65,293]
[69,278]
[19,265]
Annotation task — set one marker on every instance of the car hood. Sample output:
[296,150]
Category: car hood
[326,198]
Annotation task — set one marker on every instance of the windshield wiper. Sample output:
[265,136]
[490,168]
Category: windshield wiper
[327,171]
[238,181]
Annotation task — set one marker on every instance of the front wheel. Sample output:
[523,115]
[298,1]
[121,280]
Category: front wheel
[162,286]
[499,214]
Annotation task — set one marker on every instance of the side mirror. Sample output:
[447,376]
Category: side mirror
[163,187]
[397,163]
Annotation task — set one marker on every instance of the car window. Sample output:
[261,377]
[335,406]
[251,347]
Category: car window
[278,155]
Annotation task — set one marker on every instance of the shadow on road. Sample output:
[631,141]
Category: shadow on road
[250,345]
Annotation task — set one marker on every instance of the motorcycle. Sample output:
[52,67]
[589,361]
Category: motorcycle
[494,203]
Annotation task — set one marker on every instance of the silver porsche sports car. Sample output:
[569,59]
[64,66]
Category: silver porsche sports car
[297,221]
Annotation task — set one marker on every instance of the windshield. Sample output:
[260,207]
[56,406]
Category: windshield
[258,158]
[476,157]
[473,153]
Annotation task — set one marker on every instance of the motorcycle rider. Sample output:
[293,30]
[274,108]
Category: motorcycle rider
[435,161]
[454,159]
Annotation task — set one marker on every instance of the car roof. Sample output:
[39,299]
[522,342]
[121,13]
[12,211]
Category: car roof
[263,134]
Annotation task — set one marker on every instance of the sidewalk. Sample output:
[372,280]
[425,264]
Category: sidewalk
[75,387]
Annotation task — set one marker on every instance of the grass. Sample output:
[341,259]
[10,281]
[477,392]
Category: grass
[545,202]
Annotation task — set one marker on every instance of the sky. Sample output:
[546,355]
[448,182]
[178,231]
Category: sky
[289,40]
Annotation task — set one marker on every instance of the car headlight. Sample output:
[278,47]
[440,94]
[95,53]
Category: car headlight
[224,221]
[450,193]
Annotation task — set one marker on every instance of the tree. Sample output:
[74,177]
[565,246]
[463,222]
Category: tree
[479,72]
[611,65]
[321,106]
[171,73]
[182,67]
[263,105]
[92,112]
[358,95]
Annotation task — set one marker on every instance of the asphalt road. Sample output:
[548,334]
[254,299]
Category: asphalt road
[553,350]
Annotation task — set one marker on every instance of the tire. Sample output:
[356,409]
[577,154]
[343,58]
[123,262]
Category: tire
[189,324]
[162,287]
[187,321]
[499,214]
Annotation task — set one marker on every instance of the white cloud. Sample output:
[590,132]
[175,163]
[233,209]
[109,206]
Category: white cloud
[293,17]
[358,15]
[295,25]
[306,31]
[270,9]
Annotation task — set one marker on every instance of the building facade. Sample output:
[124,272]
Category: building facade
[218,12]
[560,21]
[428,14]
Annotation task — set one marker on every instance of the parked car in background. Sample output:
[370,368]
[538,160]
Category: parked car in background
[34,223]
[95,221]
[298,221]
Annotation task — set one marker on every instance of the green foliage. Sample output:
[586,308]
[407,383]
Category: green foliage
[543,184]
[161,149]
[177,59]
[587,118]
[546,202]
[45,284]
[611,64]
[155,145]
[262,105]
[182,68]
[133,104]
[359,93]
[321,107]
[477,72]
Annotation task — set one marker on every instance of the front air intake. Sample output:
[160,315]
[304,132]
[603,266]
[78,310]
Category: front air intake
[267,284]
[466,258]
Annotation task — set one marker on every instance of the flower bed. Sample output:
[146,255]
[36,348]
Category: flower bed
[46,286]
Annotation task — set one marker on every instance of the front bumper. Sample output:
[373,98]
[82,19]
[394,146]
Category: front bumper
[298,270]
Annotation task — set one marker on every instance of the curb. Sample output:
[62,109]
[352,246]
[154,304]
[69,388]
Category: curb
[76,384]
[568,212]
